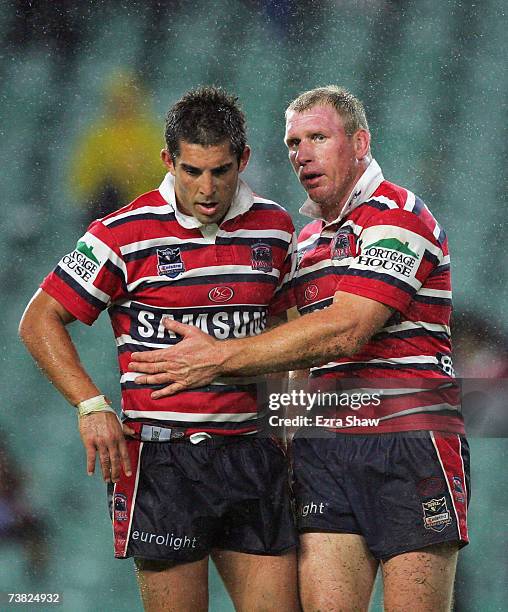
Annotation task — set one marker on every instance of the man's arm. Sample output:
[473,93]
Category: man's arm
[42,329]
[317,338]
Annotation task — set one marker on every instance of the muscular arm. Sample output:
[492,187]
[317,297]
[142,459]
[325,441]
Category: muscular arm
[337,331]
[42,329]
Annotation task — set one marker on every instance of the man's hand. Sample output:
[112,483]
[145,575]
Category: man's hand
[194,362]
[102,434]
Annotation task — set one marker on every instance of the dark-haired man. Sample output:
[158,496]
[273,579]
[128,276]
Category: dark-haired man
[385,483]
[192,479]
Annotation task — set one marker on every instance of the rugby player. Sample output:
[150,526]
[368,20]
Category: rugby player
[374,287]
[191,479]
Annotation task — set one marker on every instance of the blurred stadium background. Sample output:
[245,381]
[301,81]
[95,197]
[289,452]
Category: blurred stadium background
[432,75]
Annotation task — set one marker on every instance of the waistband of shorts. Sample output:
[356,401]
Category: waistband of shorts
[161,434]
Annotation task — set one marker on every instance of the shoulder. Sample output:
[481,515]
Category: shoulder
[132,223]
[152,201]
[137,220]
[270,212]
[387,196]
[260,203]
[393,205]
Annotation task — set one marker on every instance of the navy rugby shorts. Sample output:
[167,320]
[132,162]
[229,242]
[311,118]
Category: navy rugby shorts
[401,491]
[184,499]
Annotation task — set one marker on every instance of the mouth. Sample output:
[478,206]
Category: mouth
[207,208]
[310,179]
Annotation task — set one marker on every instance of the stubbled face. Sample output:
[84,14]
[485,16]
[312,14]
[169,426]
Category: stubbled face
[206,179]
[326,160]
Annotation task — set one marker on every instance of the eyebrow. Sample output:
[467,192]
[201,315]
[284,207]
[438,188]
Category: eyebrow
[196,169]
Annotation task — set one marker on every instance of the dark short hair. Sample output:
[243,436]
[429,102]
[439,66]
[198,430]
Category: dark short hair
[206,116]
[345,103]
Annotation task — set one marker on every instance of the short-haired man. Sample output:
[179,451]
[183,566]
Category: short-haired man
[374,287]
[192,479]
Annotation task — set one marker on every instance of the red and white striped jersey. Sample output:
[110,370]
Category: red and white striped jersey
[148,260]
[386,246]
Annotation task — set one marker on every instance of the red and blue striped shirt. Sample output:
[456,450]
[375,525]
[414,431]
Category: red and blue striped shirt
[388,247]
[148,260]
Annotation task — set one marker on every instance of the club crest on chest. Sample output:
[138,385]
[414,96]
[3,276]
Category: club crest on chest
[342,244]
[261,257]
[169,262]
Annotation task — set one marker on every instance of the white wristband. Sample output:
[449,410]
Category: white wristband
[94,404]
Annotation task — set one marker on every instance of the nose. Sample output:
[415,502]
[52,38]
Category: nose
[303,154]
[207,184]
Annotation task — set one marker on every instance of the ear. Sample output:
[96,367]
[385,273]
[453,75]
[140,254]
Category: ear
[168,161]
[361,140]
[244,159]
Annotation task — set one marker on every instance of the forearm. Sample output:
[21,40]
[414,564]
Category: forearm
[42,329]
[308,341]
[340,330]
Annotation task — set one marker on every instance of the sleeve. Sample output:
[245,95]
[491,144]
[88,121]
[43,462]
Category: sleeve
[396,252]
[284,298]
[91,277]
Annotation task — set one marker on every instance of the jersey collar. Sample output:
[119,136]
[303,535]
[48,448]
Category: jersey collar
[242,202]
[361,192]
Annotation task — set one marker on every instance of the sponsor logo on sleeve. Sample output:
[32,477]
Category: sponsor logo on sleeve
[391,255]
[261,257]
[436,515]
[169,262]
[87,251]
[82,262]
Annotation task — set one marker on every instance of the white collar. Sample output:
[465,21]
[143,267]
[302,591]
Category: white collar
[242,202]
[361,192]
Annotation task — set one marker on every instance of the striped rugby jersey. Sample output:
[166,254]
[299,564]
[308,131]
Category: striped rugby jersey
[148,259]
[386,246]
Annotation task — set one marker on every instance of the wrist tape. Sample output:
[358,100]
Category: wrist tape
[94,404]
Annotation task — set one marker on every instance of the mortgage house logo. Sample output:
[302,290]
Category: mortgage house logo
[390,254]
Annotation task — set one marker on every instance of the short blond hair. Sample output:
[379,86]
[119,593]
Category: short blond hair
[348,106]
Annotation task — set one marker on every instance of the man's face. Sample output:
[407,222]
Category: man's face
[206,179]
[326,160]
